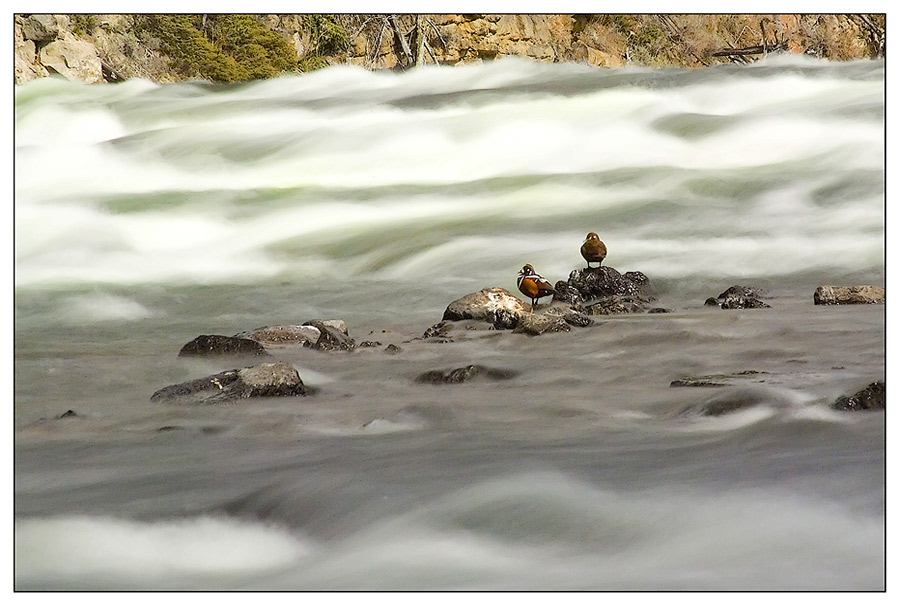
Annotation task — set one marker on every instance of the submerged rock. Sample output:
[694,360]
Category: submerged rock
[872,397]
[720,380]
[603,291]
[735,399]
[848,295]
[262,380]
[465,374]
[220,345]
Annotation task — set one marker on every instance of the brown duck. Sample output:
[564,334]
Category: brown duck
[593,250]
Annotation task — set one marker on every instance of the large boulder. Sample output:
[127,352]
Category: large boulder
[848,295]
[262,380]
[496,306]
[603,290]
[44,28]
[74,60]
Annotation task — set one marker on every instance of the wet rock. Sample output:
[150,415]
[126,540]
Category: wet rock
[615,305]
[572,316]
[711,302]
[872,397]
[848,295]
[603,290]
[494,305]
[465,374]
[220,345]
[742,291]
[538,324]
[393,349]
[262,380]
[739,297]
[719,380]
[332,337]
[740,302]
[68,414]
[289,334]
[338,325]
[366,344]
[659,310]
[439,332]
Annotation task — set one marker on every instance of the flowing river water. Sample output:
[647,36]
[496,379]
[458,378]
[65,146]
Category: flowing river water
[146,215]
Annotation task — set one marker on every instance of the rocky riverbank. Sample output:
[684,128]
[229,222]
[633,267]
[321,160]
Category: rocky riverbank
[224,48]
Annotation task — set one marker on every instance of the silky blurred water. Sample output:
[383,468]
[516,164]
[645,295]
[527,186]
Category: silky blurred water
[146,215]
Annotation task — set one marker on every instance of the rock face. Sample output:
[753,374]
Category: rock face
[872,397]
[263,380]
[739,297]
[848,295]
[465,374]
[604,291]
[597,40]
[219,345]
[74,60]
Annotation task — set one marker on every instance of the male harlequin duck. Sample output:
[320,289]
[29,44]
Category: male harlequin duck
[593,249]
[533,285]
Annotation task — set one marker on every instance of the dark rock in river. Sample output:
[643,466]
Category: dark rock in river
[289,334]
[721,380]
[218,345]
[262,380]
[332,337]
[848,295]
[494,305]
[739,302]
[393,349]
[739,297]
[465,374]
[872,397]
[603,290]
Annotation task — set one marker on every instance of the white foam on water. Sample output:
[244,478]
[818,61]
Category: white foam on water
[103,307]
[93,550]
[386,160]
